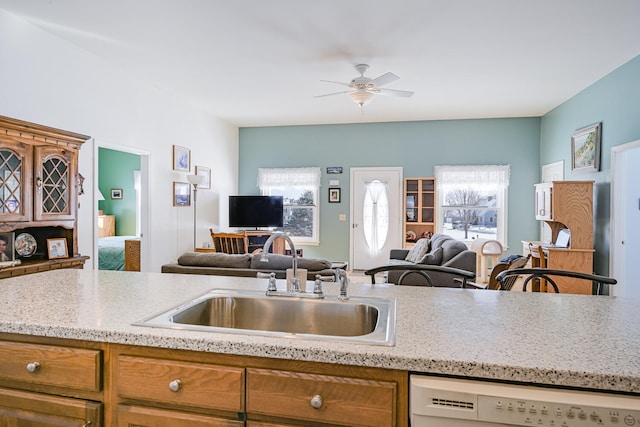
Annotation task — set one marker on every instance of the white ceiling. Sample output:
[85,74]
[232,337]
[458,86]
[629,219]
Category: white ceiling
[259,63]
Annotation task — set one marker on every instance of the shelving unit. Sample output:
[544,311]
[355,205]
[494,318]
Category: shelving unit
[419,208]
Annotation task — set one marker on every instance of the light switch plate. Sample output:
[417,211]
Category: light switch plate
[334,182]
[342,217]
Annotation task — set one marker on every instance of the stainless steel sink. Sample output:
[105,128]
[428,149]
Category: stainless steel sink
[358,320]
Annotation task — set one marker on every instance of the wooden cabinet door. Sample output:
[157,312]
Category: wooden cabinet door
[141,416]
[55,172]
[26,409]
[15,181]
[544,207]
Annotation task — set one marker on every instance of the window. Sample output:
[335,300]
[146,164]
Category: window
[299,188]
[472,202]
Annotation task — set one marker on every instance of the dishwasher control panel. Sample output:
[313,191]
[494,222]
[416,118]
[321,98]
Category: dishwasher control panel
[436,401]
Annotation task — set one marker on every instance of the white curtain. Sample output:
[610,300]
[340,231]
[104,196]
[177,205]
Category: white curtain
[376,216]
[288,177]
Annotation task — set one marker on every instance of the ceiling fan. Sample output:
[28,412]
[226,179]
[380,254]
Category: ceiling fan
[362,88]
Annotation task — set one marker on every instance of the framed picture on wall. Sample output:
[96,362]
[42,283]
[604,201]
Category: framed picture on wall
[181,194]
[585,149]
[181,158]
[206,173]
[57,248]
[116,193]
[334,195]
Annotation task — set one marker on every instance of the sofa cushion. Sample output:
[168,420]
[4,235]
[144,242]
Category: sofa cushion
[433,257]
[282,262]
[418,250]
[451,248]
[199,259]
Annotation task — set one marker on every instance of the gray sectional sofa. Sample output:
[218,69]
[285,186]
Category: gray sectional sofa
[440,250]
[245,265]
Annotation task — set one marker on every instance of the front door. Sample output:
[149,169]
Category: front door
[376,207]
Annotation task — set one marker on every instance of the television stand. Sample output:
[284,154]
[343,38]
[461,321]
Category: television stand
[257,239]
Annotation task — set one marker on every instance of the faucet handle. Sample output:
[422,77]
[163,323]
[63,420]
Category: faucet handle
[343,278]
[317,287]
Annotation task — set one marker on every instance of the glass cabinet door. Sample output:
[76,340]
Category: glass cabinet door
[15,191]
[54,187]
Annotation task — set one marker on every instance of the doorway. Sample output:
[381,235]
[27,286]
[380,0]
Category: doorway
[139,219]
[625,219]
[376,225]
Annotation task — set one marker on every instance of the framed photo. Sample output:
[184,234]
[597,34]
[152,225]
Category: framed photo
[206,173]
[7,241]
[181,194]
[585,149]
[57,248]
[334,169]
[116,193]
[181,158]
[334,195]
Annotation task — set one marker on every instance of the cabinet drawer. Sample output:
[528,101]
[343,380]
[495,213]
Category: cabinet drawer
[337,400]
[21,408]
[181,383]
[67,367]
[141,416]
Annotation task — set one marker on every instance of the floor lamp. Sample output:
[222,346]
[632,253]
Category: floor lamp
[195,180]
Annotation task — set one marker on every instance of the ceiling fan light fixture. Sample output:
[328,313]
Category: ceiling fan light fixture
[361,97]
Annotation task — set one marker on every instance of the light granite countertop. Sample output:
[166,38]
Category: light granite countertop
[569,340]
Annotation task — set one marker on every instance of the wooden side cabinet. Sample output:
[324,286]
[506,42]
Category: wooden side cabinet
[106,225]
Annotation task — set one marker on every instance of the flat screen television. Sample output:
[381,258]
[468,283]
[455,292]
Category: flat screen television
[255,211]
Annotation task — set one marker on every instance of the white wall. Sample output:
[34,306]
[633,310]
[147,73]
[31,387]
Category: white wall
[46,80]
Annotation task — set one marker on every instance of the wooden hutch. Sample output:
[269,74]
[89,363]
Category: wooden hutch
[567,204]
[419,209]
[38,195]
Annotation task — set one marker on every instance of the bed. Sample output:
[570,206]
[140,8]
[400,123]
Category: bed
[119,253]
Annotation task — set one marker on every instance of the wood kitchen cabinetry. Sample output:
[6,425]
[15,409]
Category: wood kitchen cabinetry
[87,383]
[159,387]
[567,204]
[39,192]
[419,208]
[50,385]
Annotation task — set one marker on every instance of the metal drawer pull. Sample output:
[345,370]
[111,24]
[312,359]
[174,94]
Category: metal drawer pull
[316,401]
[175,385]
[33,366]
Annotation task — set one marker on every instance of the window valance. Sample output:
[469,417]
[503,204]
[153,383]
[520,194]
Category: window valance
[490,177]
[289,177]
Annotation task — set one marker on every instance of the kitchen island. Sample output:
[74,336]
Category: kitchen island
[558,340]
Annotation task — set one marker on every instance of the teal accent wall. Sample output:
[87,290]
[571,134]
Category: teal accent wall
[115,170]
[613,100]
[415,146]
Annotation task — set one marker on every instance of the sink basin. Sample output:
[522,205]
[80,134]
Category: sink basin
[358,320]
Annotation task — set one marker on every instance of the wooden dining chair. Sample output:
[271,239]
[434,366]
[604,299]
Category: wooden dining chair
[550,274]
[230,243]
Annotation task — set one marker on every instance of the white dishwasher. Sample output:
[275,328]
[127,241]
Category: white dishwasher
[449,402]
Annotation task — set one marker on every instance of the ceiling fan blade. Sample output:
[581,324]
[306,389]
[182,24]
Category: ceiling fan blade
[385,79]
[339,83]
[393,92]
[331,94]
